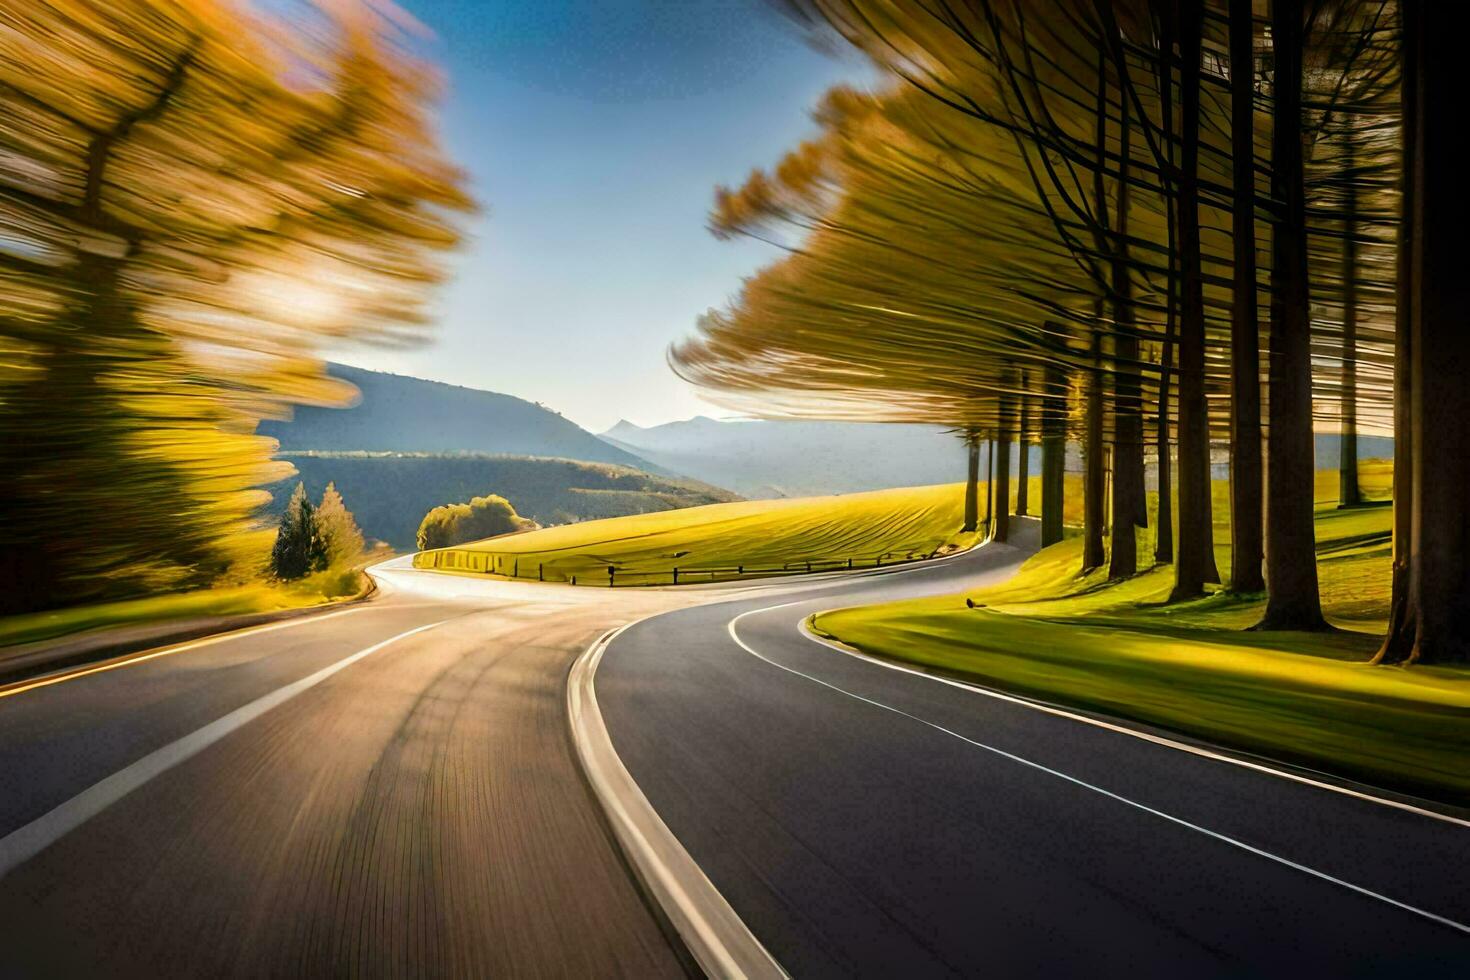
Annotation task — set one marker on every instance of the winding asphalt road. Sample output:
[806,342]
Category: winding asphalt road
[390,790]
[865,820]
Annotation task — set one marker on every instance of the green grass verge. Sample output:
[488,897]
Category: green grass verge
[1308,698]
[315,589]
[893,525]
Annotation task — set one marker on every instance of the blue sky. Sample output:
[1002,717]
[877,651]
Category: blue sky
[594,132]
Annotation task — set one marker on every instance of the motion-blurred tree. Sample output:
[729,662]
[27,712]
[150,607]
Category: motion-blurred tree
[193,198]
[1071,198]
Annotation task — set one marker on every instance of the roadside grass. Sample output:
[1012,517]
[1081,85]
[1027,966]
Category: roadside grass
[1193,667]
[755,534]
[328,586]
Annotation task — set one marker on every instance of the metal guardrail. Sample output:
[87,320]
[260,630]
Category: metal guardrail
[610,575]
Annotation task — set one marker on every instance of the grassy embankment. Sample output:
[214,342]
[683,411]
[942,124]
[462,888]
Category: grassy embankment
[1191,667]
[893,525]
[329,586]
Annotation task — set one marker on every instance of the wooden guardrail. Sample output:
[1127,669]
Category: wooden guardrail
[612,574]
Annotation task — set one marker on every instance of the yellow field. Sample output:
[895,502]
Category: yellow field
[726,540]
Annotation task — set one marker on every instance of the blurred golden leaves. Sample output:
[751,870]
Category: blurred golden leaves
[194,197]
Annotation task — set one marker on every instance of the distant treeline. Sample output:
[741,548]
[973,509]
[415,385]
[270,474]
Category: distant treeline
[391,492]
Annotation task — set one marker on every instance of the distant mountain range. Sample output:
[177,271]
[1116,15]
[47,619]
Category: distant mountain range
[773,459]
[761,459]
[389,493]
[758,459]
[408,445]
[401,414]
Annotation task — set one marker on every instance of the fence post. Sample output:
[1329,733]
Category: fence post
[879,560]
[739,569]
[610,571]
[849,564]
[808,567]
[515,569]
[541,572]
[676,574]
[574,580]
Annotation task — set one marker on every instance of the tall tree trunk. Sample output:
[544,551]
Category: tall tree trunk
[1439,555]
[1246,505]
[1095,473]
[1403,624]
[1023,458]
[1003,474]
[1053,456]
[972,479]
[1348,493]
[1129,504]
[989,486]
[1291,549]
[1164,533]
[1094,478]
[1195,563]
[1164,530]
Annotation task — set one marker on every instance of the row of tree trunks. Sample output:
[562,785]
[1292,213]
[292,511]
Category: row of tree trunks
[1430,620]
[1291,564]
[1194,563]
[1246,545]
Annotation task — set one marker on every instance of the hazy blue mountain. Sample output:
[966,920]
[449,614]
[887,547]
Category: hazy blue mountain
[773,459]
[1328,446]
[401,414]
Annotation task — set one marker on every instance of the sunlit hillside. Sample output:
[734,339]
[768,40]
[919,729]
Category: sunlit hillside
[721,540]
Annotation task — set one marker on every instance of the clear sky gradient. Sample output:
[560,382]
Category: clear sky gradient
[594,132]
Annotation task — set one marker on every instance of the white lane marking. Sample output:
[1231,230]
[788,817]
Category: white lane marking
[22,844]
[127,660]
[714,933]
[1052,709]
[1021,760]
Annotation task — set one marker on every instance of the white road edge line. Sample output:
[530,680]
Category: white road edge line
[1121,729]
[128,660]
[26,842]
[1021,760]
[720,942]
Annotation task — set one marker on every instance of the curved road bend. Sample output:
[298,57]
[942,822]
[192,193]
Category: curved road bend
[864,820]
[417,812]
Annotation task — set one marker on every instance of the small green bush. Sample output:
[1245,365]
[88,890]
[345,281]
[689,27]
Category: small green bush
[482,517]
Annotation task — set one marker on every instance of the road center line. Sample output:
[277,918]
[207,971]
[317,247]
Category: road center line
[26,842]
[1178,821]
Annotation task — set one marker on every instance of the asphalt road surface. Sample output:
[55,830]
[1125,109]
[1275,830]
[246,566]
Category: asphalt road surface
[417,813]
[868,821]
[390,790]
